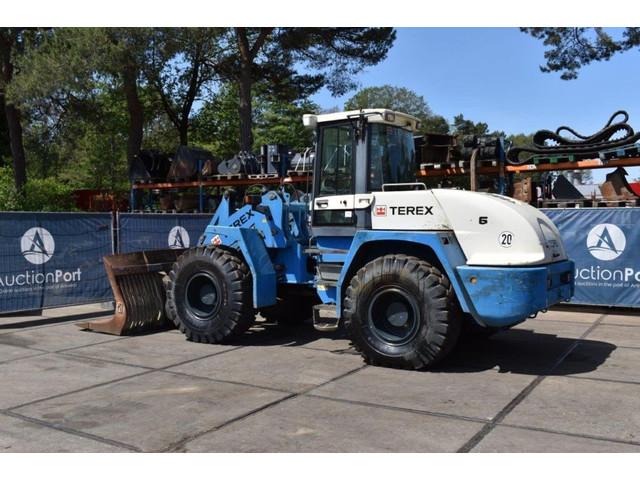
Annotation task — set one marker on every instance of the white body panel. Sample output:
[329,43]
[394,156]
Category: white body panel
[409,210]
[492,230]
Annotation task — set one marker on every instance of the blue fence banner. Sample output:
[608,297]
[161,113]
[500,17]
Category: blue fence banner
[156,231]
[53,259]
[603,243]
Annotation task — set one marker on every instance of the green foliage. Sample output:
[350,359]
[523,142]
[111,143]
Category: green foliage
[9,199]
[281,123]
[462,126]
[402,100]
[48,195]
[216,126]
[570,49]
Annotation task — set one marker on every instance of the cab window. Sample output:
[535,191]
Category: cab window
[391,156]
[336,161]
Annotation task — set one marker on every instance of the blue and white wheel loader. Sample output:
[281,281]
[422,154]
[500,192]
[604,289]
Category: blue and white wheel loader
[400,267]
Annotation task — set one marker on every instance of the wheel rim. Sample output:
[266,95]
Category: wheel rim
[203,295]
[393,316]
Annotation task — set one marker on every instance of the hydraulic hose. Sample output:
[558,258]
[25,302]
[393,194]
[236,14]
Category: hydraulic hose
[546,142]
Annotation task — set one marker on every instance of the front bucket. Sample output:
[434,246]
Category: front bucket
[138,289]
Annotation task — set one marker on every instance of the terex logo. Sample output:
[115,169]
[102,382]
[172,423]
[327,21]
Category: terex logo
[37,245]
[178,238]
[380,211]
[606,241]
[417,210]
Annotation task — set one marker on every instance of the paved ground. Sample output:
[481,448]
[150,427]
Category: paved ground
[566,381]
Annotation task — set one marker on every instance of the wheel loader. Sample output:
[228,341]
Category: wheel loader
[402,268]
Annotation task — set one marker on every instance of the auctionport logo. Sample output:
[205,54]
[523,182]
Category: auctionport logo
[178,238]
[606,241]
[37,245]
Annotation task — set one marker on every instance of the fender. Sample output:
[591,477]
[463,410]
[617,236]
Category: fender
[443,243]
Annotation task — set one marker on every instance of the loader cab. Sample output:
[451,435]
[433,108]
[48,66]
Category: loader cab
[357,152]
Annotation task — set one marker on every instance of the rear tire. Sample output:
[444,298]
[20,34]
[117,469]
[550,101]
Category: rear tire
[209,295]
[401,312]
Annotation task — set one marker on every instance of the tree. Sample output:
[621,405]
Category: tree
[275,56]
[400,99]
[11,42]
[216,125]
[64,72]
[5,148]
[179,62]
[569,49]
[462,126]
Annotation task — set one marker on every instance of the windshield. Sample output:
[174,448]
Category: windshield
[391,156]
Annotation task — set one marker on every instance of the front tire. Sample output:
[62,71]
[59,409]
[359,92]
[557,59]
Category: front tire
[209,295]
[401,312]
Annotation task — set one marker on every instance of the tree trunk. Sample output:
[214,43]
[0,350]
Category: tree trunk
[17,148]
[244,109]
[184,132]
[12,114]
[135,111]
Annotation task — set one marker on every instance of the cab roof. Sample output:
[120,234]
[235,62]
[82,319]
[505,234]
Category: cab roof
[374,115]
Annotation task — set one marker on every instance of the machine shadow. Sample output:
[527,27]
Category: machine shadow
[519,351]
[527,352]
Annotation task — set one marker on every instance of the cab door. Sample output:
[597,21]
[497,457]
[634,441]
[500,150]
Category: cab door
[334,181]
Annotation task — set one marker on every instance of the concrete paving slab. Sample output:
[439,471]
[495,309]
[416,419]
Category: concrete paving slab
[76,310]
[479,394]
[632,320]
[585,407]
[286,368]
[34,378]
[152,411]
[553,327]
[518,440]
[10,352]
[621,336]
[157,350]
[309,424]
[20,436]
[570,316]
[55,337]
[22,323]
[621,364]
[520,350]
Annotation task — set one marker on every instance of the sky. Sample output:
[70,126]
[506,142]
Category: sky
[492,75]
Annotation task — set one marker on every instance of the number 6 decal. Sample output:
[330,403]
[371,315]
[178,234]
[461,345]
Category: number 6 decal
[506,239]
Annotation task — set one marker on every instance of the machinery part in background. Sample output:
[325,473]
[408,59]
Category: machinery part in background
[209,295]
[437,148]
[546,142]
[616,186]
[564,189]
[149,165]
[274,159]
[188,162]
[488,147]
[241,163]
[303,162]
[401,312]
[186,202]
[136,280]
[524,190]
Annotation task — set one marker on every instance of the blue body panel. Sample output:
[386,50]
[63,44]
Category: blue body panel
[493,296]
[506,296]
